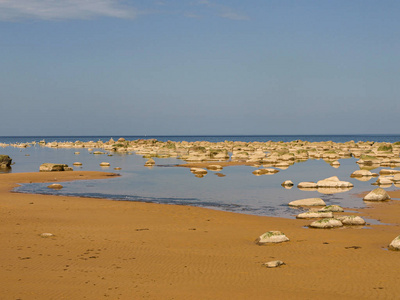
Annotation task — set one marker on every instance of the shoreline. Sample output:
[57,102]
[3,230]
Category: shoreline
[132,250]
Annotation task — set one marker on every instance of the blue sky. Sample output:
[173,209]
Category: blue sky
[110,67]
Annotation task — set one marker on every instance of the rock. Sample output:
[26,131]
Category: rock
[308,202]
[46,234]
[378,194]
[326,223]
[5,161]
[384,180]
[55,186]
[332,208]
[271,237]
[104,164]
[215,167]
[351,220]
[333,182]
[314,214]
[77,163]
[77,153]
[49,167]
[150,162]
[389,172]
[117,168]
[274,264]
[395,244]
[361,173]
[307,185]
[265,171]
[198,171]
[98,152]
[287,183]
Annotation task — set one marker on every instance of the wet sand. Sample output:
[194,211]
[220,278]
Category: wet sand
[126,250]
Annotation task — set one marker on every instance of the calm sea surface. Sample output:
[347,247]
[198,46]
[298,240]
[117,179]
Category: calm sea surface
[238,191]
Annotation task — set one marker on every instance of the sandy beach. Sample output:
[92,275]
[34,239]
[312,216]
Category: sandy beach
[129,250]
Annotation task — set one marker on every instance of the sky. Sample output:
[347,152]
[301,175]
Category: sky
[199,67]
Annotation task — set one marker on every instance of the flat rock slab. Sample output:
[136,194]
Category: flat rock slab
[49,167]
[314,214]
[332,208]
[55,186]
[271,237]
[378,194]
[308,202]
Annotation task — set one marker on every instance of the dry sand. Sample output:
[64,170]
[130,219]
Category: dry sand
[125,250]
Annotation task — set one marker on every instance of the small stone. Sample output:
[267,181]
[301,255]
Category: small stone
[104,164]
[150,162]
[314,214]
[274,264]
[46,235]
[117,168]
[271,237]
[287,183]
[77,163]
[332,208]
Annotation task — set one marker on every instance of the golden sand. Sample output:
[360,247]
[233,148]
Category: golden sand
[104,249]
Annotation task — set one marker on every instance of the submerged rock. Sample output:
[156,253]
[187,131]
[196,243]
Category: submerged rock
[378,194]
[271,237]
[55,186]
[308,202]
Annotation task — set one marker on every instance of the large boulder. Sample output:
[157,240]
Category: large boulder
[271,237]
[378,194]
[5,161]
[308,202]
[49,167]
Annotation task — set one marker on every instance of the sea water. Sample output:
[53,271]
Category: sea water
[239,190]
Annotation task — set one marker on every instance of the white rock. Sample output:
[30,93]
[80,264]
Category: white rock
[46,234]
[326,223]
[307,185]
[314,214]
[334,182]
[378,194]
[351,220]
[332,208]
[308,202]
[271,237]
[104,164]
[274,264]
[395,244]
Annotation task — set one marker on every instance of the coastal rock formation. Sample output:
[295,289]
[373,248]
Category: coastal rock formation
[395,244]
[314,214]
[308,202]
[274,264]
[351,220]
[271,237]
[378,194]
[5,161]
[49,167]
[326,223]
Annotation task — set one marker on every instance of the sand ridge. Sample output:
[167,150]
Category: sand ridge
[106,249]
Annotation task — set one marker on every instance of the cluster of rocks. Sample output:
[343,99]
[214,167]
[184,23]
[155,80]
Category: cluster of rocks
[268,154]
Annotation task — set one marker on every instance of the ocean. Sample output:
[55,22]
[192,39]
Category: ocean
[238,191]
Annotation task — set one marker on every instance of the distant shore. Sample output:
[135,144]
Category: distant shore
[126,250]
